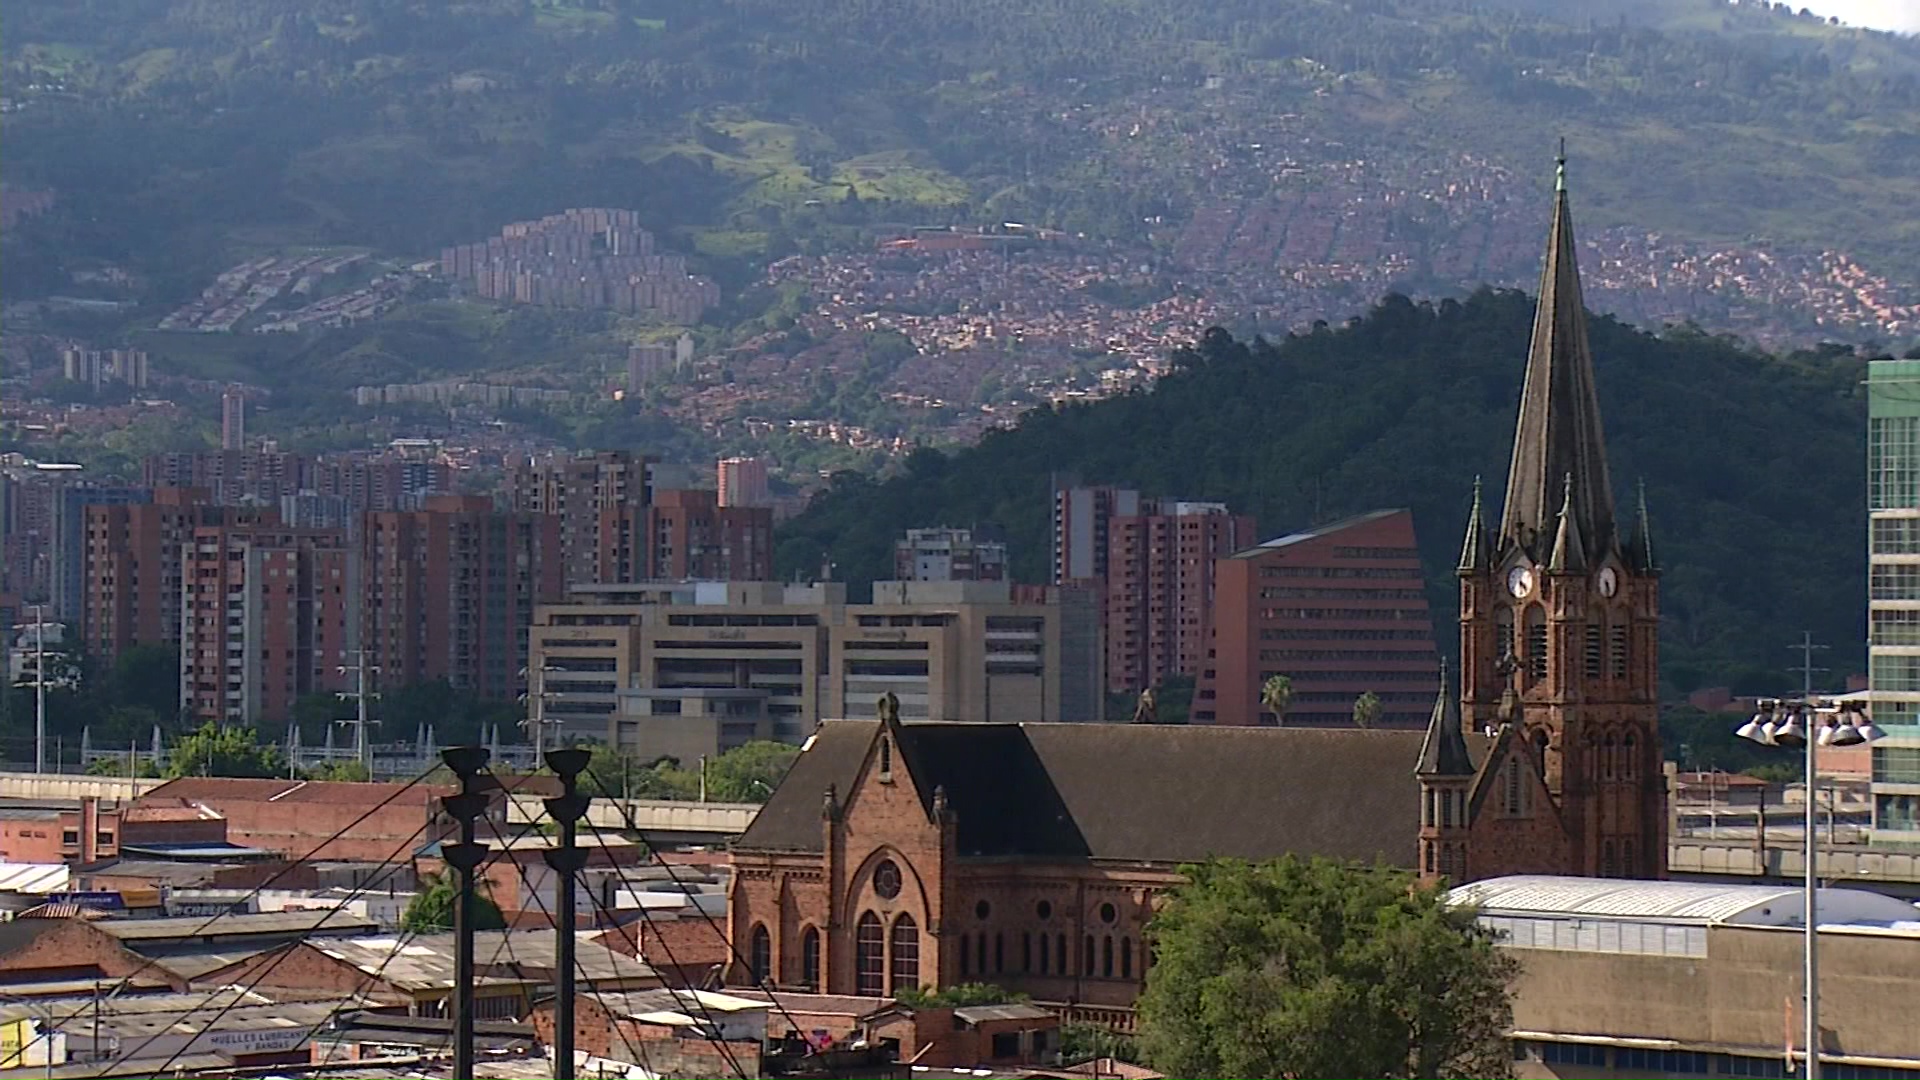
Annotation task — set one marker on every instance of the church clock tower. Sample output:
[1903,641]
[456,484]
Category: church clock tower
[1559,621]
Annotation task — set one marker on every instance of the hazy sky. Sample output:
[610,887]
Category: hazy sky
[1901,15]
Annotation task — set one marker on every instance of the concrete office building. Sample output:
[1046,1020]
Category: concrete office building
[615,656]
[1340,610]
[1893,593]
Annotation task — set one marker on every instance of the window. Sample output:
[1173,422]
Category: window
[980,955]
[810,958]
[1087,961]
[1629,751]
[1044,909]
[1896,581]
[886,879]
[999,953]
[886,760]
[1446,809]
[1554,1053]
[1536,643]
[906,954]
[1006,1044]
[1126,958]
[966,954]
[1431,868]
[1596,649]
[1893,462]
[1108,914]
[760,955]
[870,955]
[1513,787]
[1060,953]
[1503,632]
[1617,648]
[1106,957]
[1607,867]
[1608,754]
[981,910]
[1026,950]
[1626,859]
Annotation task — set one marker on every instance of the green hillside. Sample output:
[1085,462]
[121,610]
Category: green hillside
[1754,466]
[189,133]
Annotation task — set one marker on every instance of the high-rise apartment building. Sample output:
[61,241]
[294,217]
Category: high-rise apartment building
[1160,588]
[72,502]
[133,566]
[689,536]
[948,555]
[599,499]
[266,617]
[1080,523]
[233,419]
[450,589]
[1893,593]
[97,367]
[743,482]
[1340,610]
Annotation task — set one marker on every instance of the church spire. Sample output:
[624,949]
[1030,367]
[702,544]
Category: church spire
[1476,552]
[1640,545]
[1559,433]
[1444,751]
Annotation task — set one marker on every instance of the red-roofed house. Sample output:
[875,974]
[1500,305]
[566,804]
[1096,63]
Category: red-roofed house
[299,818]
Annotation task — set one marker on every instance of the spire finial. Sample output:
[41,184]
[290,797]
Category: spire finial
[1569,553]
[1560,170]
[1476,552]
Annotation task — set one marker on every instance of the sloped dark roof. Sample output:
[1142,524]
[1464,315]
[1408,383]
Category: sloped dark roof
[1130,792]
[1444,750]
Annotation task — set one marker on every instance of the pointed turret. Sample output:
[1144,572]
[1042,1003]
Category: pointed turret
[1559,428]
[1569,554]
[1476,552]
[1444,751]
[1640,546]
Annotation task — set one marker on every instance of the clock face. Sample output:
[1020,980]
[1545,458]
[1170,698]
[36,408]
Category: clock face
[1520,581]
[1609,581]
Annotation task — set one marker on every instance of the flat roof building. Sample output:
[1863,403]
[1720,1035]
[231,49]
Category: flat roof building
[1893,594]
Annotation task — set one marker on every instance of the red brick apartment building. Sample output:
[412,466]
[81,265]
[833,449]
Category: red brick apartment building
[450,590]
[1160,587]
[690,536]
[1340,610]
[265,619]
[133,566]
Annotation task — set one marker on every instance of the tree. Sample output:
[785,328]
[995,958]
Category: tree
[748,773]
[957,996]
[1366,710]
[224,751]
[1275,693]
[351,771]
[1293,968]
[431,910]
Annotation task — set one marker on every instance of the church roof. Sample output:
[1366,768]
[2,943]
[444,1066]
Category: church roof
[1131,792]
[1443,752]
[1558,435]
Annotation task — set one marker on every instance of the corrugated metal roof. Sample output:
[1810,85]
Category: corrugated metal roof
[1670,901]
[36,878]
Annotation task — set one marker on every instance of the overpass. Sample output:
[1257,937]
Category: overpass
[671,821]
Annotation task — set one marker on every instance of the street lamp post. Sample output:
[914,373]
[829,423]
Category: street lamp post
[1793,724]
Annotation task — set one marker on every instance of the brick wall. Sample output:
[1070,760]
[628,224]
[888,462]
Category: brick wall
[77,950]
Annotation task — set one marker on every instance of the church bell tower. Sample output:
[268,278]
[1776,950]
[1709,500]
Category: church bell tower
[1560,610]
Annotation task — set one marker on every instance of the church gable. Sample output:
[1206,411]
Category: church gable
[1513,822]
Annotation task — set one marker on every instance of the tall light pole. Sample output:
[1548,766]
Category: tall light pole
[39,688]
[1810,724]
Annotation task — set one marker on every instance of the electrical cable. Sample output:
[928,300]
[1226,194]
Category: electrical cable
[764,986]
[200,931]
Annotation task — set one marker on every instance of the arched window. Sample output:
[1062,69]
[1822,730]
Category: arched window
[1617,646]
[966,955]
[999,952]
[760,955]
[870,956]
[1606,859]
[1503,633]
[1629,763]
[1513,787]
[1046,953]
[1060,954]
[1432,807]
[1540,742]
[810,958]
[1106,956]
[1596,649]
[1088,962]
[1536,643]
[1608,753]
[886,759]
[980,954]
[1126,958]
[1626,858]
[905,947]
[1431,868]
[1026,951]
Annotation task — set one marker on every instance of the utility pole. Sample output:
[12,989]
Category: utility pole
[536,700]
[362,746]
[1806,669]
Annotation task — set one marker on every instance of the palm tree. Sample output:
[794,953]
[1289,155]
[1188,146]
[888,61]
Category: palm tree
[1366,710]
[1274,695]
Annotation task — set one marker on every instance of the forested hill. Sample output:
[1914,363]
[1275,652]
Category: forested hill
[1753,464]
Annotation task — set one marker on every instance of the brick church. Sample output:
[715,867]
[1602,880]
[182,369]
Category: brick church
[1028,855]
